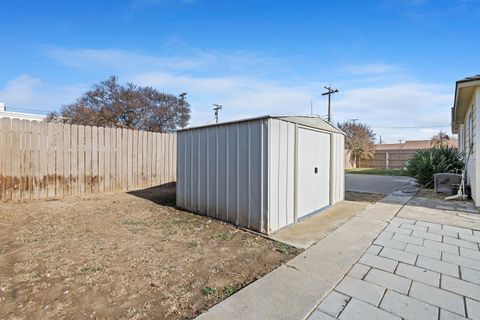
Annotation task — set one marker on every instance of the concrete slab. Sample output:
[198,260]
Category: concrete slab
[307,232]
[375,184]
[285,293]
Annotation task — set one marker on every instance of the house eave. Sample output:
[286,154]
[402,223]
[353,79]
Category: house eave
[464,90]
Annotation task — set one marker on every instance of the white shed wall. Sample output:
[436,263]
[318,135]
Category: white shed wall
[223,172]
[282,174]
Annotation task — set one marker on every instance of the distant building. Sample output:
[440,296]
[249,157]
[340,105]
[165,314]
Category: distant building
[19,115]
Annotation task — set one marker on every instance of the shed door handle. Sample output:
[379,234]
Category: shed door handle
[315,170]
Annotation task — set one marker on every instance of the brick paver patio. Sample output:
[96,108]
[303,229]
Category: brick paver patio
[413,270]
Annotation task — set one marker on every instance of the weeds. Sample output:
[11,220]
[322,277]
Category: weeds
[282,247]
[208,291]
[228,291]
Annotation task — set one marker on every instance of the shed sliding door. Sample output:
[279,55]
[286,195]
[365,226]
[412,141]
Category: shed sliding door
[313,171]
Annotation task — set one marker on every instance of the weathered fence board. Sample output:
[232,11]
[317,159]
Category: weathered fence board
[44,160]
[394,159]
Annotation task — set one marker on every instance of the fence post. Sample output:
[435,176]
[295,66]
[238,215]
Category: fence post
[386,159]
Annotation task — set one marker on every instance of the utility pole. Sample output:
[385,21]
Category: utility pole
[311,108]
[182,101]
[381,141]
[216,108]
[329,93]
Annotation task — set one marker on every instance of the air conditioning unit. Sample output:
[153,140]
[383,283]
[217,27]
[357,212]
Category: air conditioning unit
[442,182]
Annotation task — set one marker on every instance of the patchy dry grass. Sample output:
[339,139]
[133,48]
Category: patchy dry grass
[123,257]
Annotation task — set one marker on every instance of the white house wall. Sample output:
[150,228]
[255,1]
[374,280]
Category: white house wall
[473,165]
[282,174]
[231,185]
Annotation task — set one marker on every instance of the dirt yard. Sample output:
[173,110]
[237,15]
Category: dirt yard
[123,256]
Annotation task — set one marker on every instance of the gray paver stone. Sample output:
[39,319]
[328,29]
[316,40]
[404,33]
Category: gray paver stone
[319,315]
[447,315]
[468,253]
[359,310]
[388,280]
[458,229]
[408,239]
[438,297]
[430,225]
[461,243]
[374,249]
[464,288]
[426,235]
[386,234]
[404,231]
[407,307]
[470,275]
[439,266]
[395,254]
[378,262]
[334,303]
[419,274]
[443,232]
[361,290]
[359,271]
[462,261]
[469,237]
[414,227]
[473,309]
[445,247]
[423,251]
[390,243]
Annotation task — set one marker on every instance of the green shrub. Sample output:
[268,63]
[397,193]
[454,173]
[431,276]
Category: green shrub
[423,164]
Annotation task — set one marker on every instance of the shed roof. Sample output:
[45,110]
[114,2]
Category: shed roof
[309,121]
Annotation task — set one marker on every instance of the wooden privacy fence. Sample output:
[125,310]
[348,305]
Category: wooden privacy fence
[387,159]
[43,160]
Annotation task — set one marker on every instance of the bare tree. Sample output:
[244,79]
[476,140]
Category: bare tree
[110,104]
[440,140]
[359,141]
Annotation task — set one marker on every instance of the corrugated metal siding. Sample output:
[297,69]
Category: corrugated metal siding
[337,183]
[223,172]
[282,174]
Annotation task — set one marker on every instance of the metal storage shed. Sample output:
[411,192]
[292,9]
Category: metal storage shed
[260,173]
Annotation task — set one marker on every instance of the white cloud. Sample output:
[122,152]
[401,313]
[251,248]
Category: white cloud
[26,91]
[252,84]
[398,105]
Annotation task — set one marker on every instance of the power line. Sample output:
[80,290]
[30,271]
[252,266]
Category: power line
[413,127]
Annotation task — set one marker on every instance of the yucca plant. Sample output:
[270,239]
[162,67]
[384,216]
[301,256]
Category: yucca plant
[423,164]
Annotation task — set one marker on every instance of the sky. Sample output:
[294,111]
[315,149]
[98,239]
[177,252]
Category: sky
[394,62]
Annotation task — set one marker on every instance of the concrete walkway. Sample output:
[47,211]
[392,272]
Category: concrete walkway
[295,289]
[375,184]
